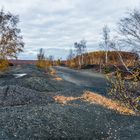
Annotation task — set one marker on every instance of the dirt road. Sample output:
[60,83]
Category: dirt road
[84,78]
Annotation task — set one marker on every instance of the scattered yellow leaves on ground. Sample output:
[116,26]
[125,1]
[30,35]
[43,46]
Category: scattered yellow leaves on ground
[64,100]
[108,103]
[53,72]
[58,79]
[95,98]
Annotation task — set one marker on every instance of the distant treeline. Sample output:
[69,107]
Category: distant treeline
[98,58]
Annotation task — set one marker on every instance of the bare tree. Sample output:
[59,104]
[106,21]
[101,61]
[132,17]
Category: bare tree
[106,41]
[51,59]
[129,29]
[41,55]
[114,44]
[10,39]
[80,49]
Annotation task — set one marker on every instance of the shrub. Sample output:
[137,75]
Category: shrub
[106,69]
[41,64]
[127,92]
[72,64]
[3,64]
[49,63]
[58,62]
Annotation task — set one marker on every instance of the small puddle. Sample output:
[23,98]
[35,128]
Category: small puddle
[20,75]
[68,78]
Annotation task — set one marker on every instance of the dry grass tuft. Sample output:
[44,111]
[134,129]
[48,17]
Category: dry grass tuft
[3,65]
[108,103]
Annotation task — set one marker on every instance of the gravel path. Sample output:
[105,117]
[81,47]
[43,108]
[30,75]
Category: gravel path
[29,112]
[86,79]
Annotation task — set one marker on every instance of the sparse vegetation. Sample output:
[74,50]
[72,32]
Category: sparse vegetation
[43,62]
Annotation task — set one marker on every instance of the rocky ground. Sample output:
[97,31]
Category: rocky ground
[29,111]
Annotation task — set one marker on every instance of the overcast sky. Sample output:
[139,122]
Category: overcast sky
[56,24]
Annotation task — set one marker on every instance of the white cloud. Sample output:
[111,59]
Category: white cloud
[56,24]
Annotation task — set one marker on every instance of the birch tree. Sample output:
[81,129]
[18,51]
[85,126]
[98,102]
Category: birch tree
[105,41]
[80,49]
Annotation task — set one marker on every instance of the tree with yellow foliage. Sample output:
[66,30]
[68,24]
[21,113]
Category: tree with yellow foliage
[10,39]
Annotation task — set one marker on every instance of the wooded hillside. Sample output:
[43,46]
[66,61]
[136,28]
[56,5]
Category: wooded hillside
[98,57]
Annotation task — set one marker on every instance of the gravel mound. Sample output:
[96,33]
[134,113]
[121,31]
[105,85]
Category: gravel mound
[55,121]
[14,95]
